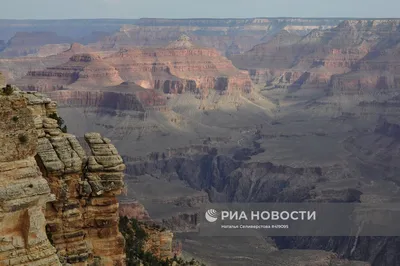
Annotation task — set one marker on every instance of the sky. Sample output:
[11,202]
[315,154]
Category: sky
[72,9]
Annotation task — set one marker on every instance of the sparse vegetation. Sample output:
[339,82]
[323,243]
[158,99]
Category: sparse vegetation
[15,118]
[23,138]
[135,237]
[7,90]
[60,122]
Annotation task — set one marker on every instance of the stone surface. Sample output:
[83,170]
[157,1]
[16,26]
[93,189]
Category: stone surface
[83,220]
[23,190]
[50,193]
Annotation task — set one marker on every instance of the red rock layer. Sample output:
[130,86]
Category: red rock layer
[180,67]
[82,70]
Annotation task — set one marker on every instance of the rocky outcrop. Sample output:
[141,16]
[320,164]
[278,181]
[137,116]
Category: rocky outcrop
[159,242]
[82,70]
[127,96]
[179,67]
[23,190]
[82,220]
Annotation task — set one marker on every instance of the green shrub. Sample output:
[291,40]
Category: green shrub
[8,90]
[60,122]
[23,138]
[135,237]
[15,118]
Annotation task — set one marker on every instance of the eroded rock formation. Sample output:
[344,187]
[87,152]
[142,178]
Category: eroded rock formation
[126,96]
[16,68]
[81,217]
[356,54]
[179,67]
[80,70]
[83,221]
[23,190]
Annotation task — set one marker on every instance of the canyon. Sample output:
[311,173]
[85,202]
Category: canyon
[344,59]
[200,111]
[177,68]
[226,35]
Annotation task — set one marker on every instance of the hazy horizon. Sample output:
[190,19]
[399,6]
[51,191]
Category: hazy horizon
[180,9]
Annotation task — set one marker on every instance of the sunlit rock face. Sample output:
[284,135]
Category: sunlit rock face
[23,190]
[58,201]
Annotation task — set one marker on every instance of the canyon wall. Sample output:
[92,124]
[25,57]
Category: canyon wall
[18,67]
[53,192]
[177,68]
[23,190]
[228,36]
[356,55]
[83,221]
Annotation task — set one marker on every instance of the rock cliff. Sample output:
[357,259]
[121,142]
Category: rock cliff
[355,54]
[18,67]
[80,70]
[23,190]
[71,202]
[179,67]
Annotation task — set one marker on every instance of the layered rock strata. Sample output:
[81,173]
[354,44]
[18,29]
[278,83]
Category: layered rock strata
[80,70]
[179,67]
[356,54]
[159,242]
[126,96]
[82,222]
[16,68]
[23,190]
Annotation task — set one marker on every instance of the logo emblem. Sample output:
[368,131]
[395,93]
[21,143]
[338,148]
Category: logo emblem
[211,215]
